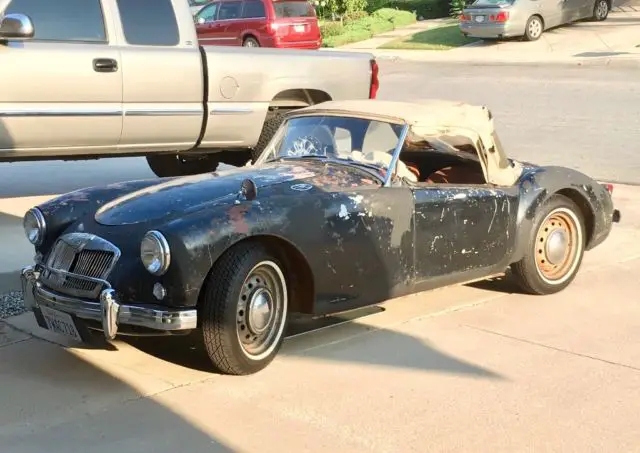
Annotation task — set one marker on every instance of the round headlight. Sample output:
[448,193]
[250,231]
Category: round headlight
[34,226]
[155,253]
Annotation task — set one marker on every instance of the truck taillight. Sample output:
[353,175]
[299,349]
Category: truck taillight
[609,188]
[375,82]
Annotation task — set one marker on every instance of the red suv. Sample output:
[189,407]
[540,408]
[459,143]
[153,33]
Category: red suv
[259,23]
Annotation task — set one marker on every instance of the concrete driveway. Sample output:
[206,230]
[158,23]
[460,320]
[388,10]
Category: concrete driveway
[474,368]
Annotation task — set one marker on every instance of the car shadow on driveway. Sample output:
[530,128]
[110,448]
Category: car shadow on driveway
[53,400]
[368,346]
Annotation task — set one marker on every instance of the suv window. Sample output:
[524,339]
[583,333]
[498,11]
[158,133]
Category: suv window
[208,13]
[149,22]
[294,8]
[253,8]
[63,20]
[229,10]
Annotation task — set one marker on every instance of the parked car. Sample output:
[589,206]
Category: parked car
[290,24]
[351,203]
[132,80]
[197,5]
[526,18]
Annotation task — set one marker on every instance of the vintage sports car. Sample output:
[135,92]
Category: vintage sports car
[351,203]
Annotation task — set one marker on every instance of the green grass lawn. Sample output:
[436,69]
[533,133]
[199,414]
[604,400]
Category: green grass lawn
[444,37]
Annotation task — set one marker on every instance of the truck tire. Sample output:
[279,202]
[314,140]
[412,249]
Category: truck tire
[167,165]
[269,128]
[243,321]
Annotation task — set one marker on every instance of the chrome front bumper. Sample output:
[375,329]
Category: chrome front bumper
[108,311]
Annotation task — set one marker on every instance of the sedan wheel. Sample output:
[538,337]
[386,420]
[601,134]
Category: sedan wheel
[601,10]
[556,248]
[244,310]
[533,29]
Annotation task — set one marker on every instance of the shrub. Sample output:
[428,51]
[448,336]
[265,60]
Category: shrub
[427,9]
[331,29]
[374,24]
[397,17]
[349,36]
[355,16]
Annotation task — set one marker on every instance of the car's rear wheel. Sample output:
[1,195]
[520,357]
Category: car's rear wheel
[600,10]
[555,250]
[250,42]
[534,28]
[244,310]
[167,165]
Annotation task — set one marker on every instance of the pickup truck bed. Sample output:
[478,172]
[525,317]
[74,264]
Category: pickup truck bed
[132,80]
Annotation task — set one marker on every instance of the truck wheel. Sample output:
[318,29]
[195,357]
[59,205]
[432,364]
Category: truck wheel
[269,128]
[167,165]
[556,248]
[243,319]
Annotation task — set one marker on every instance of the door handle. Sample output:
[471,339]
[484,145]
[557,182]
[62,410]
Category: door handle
[105,65]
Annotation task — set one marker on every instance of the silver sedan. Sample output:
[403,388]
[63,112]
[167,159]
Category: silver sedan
[526,18]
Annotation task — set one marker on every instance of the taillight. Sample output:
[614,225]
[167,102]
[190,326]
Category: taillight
[375,82]
[609,188]
[464,18]
[502,16]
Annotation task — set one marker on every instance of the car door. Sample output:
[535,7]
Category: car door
[462,228]
[231,23]
[61,90]
[254,19]
[207,27]
[163,82]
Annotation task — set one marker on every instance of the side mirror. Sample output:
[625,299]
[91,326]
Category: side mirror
[16,26]
[201,20]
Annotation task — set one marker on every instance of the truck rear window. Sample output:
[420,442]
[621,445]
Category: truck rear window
[300,8]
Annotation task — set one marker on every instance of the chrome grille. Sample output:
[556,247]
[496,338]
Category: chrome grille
[81,258]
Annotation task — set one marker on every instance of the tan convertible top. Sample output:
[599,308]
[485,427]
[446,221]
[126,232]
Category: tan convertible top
[434,119]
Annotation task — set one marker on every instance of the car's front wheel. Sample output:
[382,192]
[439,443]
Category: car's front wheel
[600,10]
[555,249]
[244,310]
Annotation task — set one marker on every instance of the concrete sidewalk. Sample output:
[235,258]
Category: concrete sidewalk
[610,42]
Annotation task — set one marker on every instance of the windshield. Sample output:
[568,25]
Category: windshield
[362,141]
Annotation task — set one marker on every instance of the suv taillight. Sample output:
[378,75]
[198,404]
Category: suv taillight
[375,82]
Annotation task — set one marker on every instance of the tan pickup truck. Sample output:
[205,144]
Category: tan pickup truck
[86,79]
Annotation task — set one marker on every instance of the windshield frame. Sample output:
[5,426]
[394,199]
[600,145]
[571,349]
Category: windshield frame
[270,149]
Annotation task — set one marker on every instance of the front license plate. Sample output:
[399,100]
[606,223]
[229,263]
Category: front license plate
[60,322]
[298,28]
[479,18]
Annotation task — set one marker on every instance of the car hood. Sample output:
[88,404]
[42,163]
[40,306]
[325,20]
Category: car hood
[183,195]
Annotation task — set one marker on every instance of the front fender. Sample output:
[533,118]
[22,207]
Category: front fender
[538,184]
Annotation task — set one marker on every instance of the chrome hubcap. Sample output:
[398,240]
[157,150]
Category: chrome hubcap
[535,27]
[261,310]
[557,243]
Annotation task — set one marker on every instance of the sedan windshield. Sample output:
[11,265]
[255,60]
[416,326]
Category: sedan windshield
[358,140]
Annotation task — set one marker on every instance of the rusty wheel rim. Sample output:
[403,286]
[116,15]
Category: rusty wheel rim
[558,246]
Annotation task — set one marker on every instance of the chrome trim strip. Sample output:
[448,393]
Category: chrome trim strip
[58,113]
[163,112]
[109,311]
[231,110]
